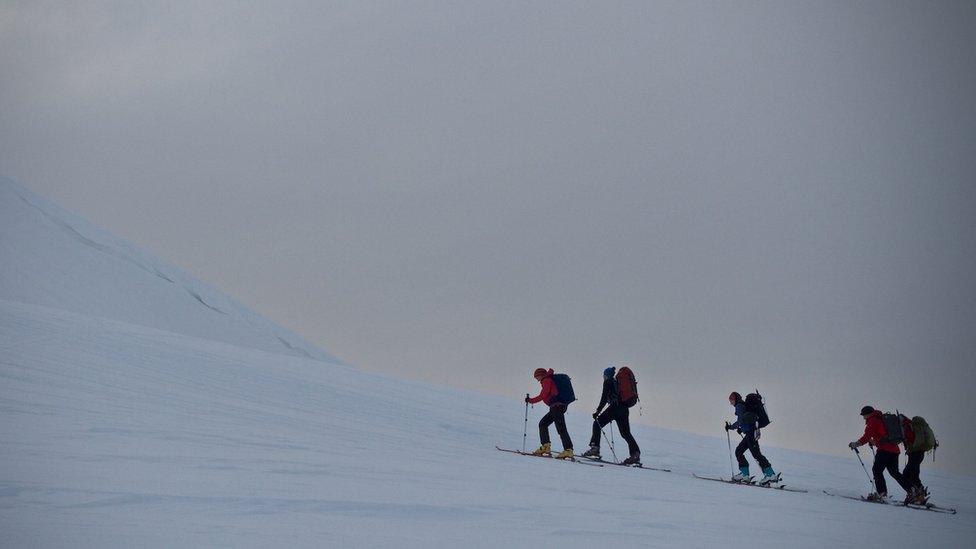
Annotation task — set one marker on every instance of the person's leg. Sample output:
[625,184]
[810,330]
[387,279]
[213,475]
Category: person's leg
[913,468]
[599,423]
[595,437]
[919,456]
[544,424]
[756,453]
[892,467]
[880,462]
[623,423]
[740,453]
[559,416]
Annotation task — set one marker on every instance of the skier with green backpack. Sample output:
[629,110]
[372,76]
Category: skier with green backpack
[918,439]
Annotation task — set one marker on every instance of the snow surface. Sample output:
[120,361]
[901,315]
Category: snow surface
[153,420]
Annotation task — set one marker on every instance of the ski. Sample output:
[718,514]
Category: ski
[574,460]
[931,507]
[927,507]
[631,465]
[780,487]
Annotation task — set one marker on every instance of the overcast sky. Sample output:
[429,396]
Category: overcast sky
[723,195]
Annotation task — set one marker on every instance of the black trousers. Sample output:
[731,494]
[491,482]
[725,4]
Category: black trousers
[749,442]
[557,415]
[620,414]
[887,461]
[913,469]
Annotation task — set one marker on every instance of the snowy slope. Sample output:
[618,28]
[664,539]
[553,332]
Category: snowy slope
[120,435]
[133,415]
[54,258]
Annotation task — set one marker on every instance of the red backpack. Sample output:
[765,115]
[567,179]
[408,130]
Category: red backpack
[627,387]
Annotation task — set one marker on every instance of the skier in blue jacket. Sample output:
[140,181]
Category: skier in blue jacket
[746,424]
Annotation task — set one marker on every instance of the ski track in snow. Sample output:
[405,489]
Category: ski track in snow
[118,435]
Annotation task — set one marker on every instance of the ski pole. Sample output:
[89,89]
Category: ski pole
[525,430]
[871,480]
[728,437]
[611,443]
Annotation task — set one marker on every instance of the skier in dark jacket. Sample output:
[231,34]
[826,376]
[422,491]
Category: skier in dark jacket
[886,458]
[746,424]
[615,412]
[557,415]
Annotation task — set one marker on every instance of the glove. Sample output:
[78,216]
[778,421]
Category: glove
[526,400]
[853,445]
[727,426]
[596,414]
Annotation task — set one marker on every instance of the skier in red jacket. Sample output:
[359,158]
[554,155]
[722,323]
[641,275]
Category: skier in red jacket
[557,415]
[886,456]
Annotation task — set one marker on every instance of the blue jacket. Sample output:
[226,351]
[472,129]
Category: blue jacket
[744,426]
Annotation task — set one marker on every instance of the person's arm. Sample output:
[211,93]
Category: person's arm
[605,396]
[547,388]
[739,408]
[869,433]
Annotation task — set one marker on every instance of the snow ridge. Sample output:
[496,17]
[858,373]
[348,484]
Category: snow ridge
[54,258]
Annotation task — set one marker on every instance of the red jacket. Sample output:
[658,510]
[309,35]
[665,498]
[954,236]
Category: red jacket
[906,428]
[874,431]
[549,391]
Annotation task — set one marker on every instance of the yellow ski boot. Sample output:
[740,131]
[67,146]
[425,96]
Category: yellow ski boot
[565,454]
[542,450]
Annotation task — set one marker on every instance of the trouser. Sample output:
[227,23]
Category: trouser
[749,442]
[913,469]
[883,461]
[620,414]
[557,415]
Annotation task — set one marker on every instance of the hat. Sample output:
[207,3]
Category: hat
[608,373]
[539,373]
[867,410]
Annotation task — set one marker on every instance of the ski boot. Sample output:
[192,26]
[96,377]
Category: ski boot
[592,453]
[769,477]
[565,454]
[634,459]
[877,498]
[911,495]
[742,475]
[543,450]
[921,496]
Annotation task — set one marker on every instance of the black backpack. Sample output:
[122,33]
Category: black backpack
[564,387]
[755,405]
[893,429]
